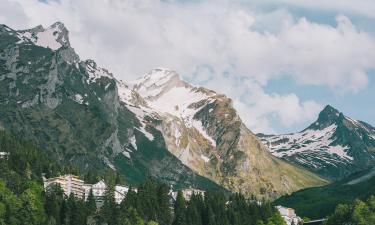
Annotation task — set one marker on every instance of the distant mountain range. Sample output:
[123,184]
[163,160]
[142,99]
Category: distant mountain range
[334,146]
[157,126]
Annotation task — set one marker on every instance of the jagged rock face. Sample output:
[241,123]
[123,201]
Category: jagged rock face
[155,126]
[203,130]
[334,146]
[74,109]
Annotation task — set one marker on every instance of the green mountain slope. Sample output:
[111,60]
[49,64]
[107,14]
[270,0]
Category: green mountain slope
[319,202]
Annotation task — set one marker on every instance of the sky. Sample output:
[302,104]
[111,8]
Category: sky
[280,61]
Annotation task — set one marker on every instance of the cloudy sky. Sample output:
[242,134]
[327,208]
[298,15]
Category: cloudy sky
[280,61]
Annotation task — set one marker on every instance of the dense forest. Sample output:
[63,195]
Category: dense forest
[24,201]
[319,202]
[358,213]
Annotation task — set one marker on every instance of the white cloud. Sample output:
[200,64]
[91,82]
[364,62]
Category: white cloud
[255,106]
[206,40]
[359,7]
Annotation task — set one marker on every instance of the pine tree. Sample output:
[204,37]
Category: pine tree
[164,213]
[179,210]
[193,212]
[147,201]
[130,217]
[53,203]
[90,203]
[130,200]
[108,212]
[119,179]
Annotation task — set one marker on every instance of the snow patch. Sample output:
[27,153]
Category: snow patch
[177,100]
[198,125]
[95,72]
[108,163]
[126,154]
[124,92]
[308,140]
[133,142]
[78,98]
[106,87]
[48,38]
[205,158]
[177,135]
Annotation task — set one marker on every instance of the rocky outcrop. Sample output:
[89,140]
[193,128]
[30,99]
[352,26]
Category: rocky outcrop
[334,146]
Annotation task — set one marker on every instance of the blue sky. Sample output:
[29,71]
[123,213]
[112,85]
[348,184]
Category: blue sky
[280,61]
[358,105]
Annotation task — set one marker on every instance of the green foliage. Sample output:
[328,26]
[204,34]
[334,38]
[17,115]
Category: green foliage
[23,200]
[359,213]
[91,204]
[109,210]
[180,210]
[318,202]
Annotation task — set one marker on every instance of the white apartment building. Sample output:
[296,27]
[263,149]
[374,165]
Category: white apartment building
[99,189]
[70,184]
[4,155]
[288,214]
[187,193]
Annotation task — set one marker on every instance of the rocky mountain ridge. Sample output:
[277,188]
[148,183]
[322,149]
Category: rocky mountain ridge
[334,146]
[204,131]
[156,126]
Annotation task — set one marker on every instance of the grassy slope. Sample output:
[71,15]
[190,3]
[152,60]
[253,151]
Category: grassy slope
[318,202]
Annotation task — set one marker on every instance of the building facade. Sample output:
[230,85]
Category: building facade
[70,184]
[187,193]
[4,155]
[289,215]
[99,189]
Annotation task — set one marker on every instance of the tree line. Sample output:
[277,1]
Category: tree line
[358,213]
[24,201]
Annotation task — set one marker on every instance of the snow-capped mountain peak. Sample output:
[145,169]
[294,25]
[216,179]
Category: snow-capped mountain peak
[334,145]
[53,37]
[164,91]
[157,82]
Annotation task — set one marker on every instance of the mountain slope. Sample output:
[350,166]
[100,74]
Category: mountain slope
[334,146]
[156,126]
[71,108]
[319,202]
[204,131]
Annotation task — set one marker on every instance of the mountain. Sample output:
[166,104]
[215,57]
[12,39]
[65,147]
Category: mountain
[157,126]
[72,108]
[334,146]
[204,131]
[318,202]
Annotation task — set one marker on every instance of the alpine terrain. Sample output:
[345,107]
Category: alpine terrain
[334,146]
[318,202]
[157,126]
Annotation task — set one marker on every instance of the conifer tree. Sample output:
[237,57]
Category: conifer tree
[193,212]
[147,201]
[90,204]
[164,200]
[130,200]
[179,210]
[108,212]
